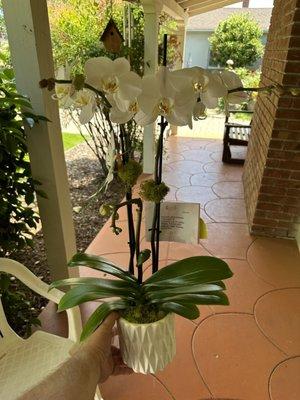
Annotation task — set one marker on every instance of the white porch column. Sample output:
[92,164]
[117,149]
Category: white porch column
[181,35]
[30,46]
[151,14]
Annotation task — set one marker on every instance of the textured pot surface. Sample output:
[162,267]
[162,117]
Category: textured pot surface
[148,348]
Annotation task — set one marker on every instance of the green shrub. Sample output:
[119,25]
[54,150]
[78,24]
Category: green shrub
[17,190]
[250,78]
[238,38]
[18,217]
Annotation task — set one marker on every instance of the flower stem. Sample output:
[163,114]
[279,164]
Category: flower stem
[131,230]
[139,265]
[156,214]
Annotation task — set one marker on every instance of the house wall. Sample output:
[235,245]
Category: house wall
[272,169]
[197,49]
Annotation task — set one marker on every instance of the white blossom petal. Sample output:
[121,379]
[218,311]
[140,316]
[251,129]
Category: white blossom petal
[87,113]
[209,101]
[119,117]
[215,86]
[166,82]
[130,86]
[120,67]
[97,68]
[150,86]
[148,104]
[143,119]
[231,80]
[121,104]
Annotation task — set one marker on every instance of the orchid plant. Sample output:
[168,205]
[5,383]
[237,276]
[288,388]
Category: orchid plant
[173,97]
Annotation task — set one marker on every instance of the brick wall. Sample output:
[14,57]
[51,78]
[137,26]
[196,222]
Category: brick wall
[272,169]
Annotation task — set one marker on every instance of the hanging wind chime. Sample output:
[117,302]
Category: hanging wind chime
[111,37]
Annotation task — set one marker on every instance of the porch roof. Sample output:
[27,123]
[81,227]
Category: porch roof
[195,7]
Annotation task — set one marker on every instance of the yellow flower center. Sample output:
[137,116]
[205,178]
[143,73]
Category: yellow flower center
[165,106]
[62,91]
[197,86]
[133,107]
[110,85]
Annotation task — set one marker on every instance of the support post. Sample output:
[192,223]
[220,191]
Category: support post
[151,14]
[181,36]
[30,45]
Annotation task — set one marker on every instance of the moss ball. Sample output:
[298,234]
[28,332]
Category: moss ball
[151,191]
[130,172]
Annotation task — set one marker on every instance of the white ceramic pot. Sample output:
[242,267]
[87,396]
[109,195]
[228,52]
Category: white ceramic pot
[148,348]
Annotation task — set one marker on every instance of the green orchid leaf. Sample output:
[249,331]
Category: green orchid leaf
[99,315]
[100,264]
[188,279]
[194,289]
[189,311]
[111,284]
[201,269]
[204,299]
[81,294]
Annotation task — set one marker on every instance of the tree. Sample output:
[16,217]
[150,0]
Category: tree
[238,38]
[76,27]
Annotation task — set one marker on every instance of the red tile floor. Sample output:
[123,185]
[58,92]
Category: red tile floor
[249,350]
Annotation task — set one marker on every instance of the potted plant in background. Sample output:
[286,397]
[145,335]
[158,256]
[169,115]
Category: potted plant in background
[147,307]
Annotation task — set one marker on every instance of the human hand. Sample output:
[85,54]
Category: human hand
[106,356]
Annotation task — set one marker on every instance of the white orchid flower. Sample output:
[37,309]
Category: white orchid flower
[85,100]
[200,84]
[121,117]
[64,91]
[160,96]
[232,81]
[113,78]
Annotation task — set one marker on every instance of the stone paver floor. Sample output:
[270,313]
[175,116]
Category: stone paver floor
[249,350]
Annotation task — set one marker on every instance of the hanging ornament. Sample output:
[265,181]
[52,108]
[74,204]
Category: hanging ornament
[112,37]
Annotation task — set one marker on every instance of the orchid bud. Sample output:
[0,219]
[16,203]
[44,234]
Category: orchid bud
[105,210]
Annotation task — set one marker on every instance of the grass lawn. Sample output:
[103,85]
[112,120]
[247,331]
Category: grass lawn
[243,117]
[71,139]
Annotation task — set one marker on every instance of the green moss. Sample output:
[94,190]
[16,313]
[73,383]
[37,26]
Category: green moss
[130,172]
[150,191]
[143,314]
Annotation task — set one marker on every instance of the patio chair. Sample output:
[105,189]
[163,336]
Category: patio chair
[235,135]
[26,362]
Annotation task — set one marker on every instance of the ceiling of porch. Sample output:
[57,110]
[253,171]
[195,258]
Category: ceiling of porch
[195,7]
